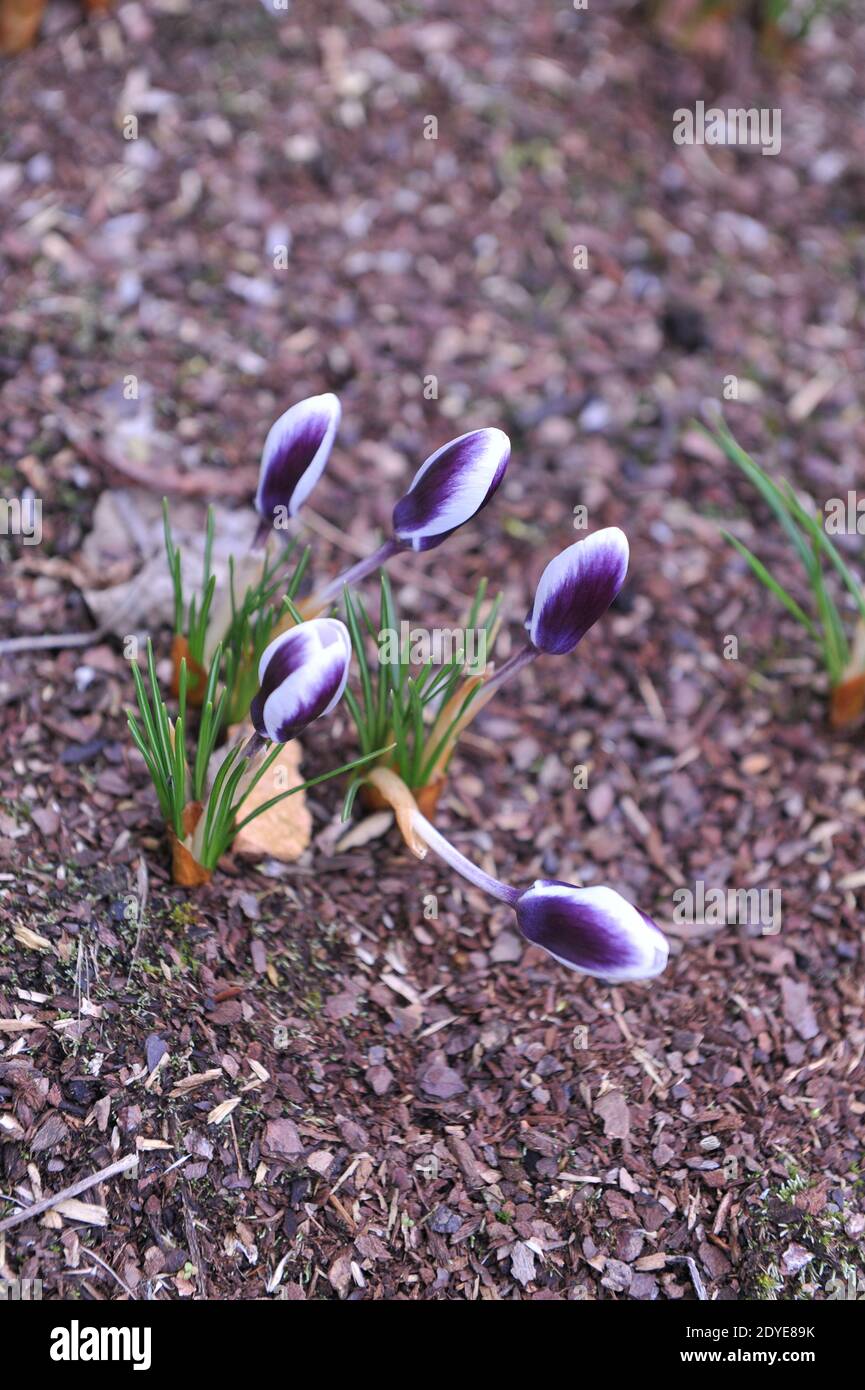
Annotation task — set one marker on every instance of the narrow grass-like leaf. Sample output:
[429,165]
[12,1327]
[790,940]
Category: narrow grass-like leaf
[772,584]
[416,713]
[359,649]
[147,719]
[354,787]
[179,774]
[834,641]
[433,757]
[160,784]
[808,535]
[768,489]
[359,721]
[828,547]
[312,782]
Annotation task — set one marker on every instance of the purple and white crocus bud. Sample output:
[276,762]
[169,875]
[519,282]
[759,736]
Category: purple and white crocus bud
[592,930]
[295,452]
[452,486]
[576,589]
[302,675]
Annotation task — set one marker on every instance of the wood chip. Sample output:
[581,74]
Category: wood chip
[222,1111]
[31,939]
[193,1082]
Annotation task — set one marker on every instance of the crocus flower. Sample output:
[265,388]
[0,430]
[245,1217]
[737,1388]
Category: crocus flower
[592,930]
[303,674]
[576,589]
[452,486]
[295,452]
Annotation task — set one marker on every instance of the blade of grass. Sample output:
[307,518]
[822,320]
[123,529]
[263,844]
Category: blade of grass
[828,547]
[400,737]
[439,748]
[359,651]
[416,714]
[160,786]
[354,787]
[834,641]
[147,717]
[772,584]
[359,723]
[179,774]
[312,782]
[768,490]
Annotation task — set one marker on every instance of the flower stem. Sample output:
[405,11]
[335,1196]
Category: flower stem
[513,664]
[253,745]
[359,571]
[261,537]
[445,849]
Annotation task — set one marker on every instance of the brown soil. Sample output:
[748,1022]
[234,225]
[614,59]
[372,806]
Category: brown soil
[424,1108]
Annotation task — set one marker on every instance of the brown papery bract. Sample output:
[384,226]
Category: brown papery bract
[196,676]
[185,868]
[847,702]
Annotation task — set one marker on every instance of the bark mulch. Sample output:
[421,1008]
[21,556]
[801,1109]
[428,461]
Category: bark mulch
[347,1078]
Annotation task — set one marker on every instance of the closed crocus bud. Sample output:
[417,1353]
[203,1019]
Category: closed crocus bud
[454,484]
[295,453]
[593,930]
[576,589]
[303,674]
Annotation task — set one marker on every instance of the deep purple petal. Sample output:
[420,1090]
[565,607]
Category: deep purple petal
[295,453]
[303,673]
[316,697]
[297,648]
[452,486]
[256,714]
[593,930]
[288,656]
[576,589]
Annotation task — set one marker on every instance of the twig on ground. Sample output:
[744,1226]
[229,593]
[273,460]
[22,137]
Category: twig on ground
[121,1166]
[142,883]
[699,1286]
[99,1260]
[50,641]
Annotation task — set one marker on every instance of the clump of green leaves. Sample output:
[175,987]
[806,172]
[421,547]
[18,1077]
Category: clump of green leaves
[191,620]
[776,22]
[254,622]
[161,743]
[842,655]
[238,625]
[180,780]
[407,697]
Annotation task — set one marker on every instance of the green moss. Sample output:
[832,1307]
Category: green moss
[835,1270]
